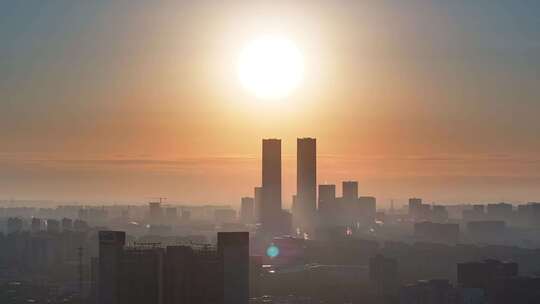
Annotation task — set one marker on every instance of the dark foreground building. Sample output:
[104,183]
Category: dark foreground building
[482,274]
[383,274]
[150,274]
[499,282]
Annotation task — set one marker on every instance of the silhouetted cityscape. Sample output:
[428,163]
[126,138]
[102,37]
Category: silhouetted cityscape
[270,152]
[326,249]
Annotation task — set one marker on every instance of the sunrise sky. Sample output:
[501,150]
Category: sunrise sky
[105,101]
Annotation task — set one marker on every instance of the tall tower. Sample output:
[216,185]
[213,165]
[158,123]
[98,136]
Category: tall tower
[155,213]
[306,181]
[270,210]
[415,204]
[350,191]
[350,208]
[327,197]
[233,250]
[111,244]
[257,200]
[328,209]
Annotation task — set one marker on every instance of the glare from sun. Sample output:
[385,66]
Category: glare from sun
[270,67]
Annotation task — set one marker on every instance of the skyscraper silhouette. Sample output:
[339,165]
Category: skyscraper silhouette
[271,185]
[111,244]
[327,195]
[257,200]
[150,273]
[350,208]
[328,208]
[415,204]
[306,182]
[233,250]
[350,191]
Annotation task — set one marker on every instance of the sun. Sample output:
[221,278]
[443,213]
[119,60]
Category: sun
[270,67]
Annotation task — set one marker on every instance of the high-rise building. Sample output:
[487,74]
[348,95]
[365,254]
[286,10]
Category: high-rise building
[67,224]
[140,278]
[233,249]
[350,191]
[327,196]
[271,185]
[36,225]
[477,213]
[53,226]
[500,211]
[328,207]
[383,273]
[80,225]
[14,225]
[191,275]
[481,274]
[349,207]
[368,209]
[155,212]
[257,200]
[498,282]
[247,210]
[439,213]
[148,273]
[111,244]
[306,182]
[415,205]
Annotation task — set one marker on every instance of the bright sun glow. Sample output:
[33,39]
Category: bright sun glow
[270,67]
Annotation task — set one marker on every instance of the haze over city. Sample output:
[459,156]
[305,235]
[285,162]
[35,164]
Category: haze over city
[115,102]
[270,152]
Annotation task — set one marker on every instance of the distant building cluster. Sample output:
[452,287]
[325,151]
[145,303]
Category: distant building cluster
[328,248]
[309,214]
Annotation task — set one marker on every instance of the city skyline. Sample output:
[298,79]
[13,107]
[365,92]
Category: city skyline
[326,175]
[270,152]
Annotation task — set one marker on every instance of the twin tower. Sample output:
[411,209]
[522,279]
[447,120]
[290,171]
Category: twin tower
[272,218]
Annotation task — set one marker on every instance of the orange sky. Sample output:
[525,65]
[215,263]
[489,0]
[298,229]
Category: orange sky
[128,100]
